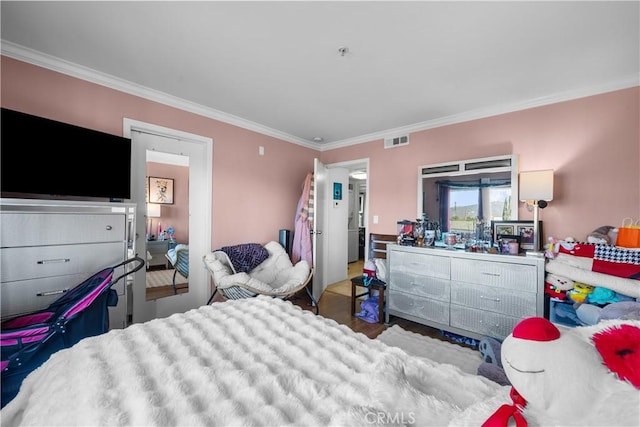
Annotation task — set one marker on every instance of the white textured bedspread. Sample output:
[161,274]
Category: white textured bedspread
[259,361]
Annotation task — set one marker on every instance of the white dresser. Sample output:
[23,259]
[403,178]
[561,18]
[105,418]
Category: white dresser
[471,294]
[48,247]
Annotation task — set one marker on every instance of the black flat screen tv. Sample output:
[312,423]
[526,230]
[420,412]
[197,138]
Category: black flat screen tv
[43,158]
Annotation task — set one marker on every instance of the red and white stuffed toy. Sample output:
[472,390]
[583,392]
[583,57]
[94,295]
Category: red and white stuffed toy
[584,376]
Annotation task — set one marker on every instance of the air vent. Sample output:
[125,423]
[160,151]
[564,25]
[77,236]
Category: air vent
[500,163]
[441,169]
[396,141]
[473,166]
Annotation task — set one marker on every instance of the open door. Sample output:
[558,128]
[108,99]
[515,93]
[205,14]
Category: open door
[329,231]
[319,206]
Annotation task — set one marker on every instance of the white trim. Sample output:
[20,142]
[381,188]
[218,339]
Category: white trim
[34,57]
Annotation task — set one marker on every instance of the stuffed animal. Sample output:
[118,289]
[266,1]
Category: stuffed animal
[551,248]
[583,376]
[590,314]
[579,292]
[605,235]
[558,283]
[491,366]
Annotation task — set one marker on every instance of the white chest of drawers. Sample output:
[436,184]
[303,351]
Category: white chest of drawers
[48,247]
[471,294]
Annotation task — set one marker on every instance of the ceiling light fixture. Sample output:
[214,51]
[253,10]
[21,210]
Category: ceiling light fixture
[358,175]
[318,139]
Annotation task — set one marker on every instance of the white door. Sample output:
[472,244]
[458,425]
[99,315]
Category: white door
[199,151]
[336,233]
[329,233]
[317,241]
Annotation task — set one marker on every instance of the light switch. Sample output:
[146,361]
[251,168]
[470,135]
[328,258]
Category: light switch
[375,219]
[261,150]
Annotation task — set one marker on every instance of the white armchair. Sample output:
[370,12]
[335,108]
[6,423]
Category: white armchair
[276,276]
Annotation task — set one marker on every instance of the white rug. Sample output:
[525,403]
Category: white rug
[158,278]
[434,349]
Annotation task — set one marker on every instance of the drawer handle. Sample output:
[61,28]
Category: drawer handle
[108,227]
[54,261]
[46,294]
[490,299]
[495,325]
[491,274]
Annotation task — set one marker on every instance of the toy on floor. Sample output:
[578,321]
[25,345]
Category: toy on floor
[491,367]
[551,369]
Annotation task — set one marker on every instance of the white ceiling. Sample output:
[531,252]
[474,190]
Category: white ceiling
[275,67]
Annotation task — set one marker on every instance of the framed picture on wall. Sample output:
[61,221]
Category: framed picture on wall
[160,190]
[523,229]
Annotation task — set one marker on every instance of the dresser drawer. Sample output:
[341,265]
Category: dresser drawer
[519,304]
[424,308]
[430,287]
[482,322]
[36,229]
[22,297]
[44,261]
[421,264]
[499,274]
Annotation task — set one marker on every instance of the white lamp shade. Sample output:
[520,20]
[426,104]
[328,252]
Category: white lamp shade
[536,185]
[153,210]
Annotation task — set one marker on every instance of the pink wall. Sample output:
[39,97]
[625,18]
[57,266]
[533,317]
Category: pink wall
[253,196]
[593,144]
[174,215]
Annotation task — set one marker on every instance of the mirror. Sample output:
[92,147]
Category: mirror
[464,197]
[167,228]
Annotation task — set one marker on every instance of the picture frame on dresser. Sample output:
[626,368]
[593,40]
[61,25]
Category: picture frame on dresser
[524,229]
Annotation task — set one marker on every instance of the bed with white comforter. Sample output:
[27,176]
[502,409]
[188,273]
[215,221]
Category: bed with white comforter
[259,361]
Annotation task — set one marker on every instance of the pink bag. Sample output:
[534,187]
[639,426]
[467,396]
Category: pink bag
[369,269]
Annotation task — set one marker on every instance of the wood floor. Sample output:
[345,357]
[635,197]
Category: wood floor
[337,306]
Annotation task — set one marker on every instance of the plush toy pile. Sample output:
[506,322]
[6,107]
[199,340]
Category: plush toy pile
[594,280]
[583,376]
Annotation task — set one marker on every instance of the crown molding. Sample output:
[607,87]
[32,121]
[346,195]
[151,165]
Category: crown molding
[625,83]
[40,59]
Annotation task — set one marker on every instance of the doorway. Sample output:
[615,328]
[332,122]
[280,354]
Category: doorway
[354,226]
[358,207]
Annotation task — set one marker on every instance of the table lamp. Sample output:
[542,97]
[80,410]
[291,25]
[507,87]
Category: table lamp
[153,211]
[536,189]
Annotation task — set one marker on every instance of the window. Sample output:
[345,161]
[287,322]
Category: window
[470,206]
[465,196]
